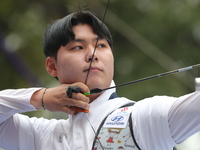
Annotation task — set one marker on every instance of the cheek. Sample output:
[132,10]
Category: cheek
[109,62]
[112,67]
[65,66]
[66,61]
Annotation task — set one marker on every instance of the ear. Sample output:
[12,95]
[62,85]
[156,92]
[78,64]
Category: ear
[51,66]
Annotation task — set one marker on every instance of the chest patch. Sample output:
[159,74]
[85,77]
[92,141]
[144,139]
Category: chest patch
[115,133]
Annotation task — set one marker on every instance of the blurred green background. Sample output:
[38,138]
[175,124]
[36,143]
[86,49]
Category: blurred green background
[150,37]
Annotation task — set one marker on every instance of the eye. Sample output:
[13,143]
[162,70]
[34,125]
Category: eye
[101,46]
[76,48]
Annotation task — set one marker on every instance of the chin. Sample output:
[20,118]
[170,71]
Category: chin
[94,84]
[100,85]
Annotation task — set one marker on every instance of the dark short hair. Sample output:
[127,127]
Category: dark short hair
[60,32]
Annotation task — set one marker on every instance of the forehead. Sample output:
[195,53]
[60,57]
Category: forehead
[84,32]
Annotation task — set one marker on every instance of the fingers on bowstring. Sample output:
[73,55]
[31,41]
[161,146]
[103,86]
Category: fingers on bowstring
[82,87]
[72,110]
[68,110]
[80,97]
[78,103]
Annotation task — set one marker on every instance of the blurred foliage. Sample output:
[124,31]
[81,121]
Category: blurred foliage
[150,37]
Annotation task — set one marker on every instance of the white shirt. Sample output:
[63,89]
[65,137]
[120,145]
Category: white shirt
[159,123]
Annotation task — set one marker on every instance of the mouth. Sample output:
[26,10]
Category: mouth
[93,68]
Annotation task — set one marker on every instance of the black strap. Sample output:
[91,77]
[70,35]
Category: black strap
[99,128]
[131,129]
[132,133]
[112,96]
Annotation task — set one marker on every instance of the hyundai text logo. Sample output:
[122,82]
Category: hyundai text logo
[117,118]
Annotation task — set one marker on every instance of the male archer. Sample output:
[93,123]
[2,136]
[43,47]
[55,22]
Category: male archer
[158,123]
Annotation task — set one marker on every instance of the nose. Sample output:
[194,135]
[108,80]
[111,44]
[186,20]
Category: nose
[92,56]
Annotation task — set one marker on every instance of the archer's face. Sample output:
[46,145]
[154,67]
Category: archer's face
[73,60]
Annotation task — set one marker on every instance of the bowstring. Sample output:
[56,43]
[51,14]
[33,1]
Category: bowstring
[90,65]
[102,22]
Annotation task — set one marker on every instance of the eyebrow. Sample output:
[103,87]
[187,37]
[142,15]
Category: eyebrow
[82,40]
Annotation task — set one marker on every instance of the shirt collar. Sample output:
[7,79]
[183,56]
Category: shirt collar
[105,95]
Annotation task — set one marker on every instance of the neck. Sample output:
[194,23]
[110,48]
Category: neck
[94,96]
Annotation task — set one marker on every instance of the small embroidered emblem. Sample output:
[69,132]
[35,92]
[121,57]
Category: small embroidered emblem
[60,138]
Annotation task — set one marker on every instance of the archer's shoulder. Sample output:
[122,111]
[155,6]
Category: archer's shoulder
[154,105]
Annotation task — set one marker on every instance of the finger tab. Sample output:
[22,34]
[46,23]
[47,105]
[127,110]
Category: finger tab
[79,109]
[72,89]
